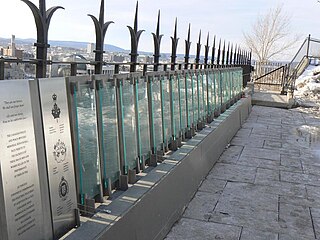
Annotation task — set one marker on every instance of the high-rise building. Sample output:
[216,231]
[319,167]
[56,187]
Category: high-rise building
[90,48]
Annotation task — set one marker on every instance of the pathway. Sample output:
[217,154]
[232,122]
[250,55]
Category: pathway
[266,184]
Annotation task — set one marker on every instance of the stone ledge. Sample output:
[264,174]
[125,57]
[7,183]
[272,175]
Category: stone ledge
[149,208]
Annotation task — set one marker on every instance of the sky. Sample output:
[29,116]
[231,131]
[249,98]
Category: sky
[227,19]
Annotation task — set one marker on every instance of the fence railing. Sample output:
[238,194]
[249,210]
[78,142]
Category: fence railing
[124,122]
[274,80]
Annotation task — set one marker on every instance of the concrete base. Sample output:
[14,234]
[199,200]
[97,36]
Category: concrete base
[149,208]
[217,112]
[223,108]
[173,146]
[107,190]
[123,182]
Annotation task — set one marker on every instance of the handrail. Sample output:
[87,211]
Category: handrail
[269,73]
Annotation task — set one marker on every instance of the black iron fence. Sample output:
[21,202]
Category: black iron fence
[126,116]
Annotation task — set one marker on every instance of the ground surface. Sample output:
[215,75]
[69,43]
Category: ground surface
[266,185]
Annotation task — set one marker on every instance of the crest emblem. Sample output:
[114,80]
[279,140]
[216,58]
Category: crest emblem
[55,109]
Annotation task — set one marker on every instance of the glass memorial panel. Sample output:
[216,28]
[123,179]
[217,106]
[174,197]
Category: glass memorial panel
[110,144]
[189,99]
[86,128]
[143,114]
[129,125]
[218,90]
[155,90]
[166,114]
[175,105]
[200,97]
[195,98]
[210,92]
[205,95]
[182,102]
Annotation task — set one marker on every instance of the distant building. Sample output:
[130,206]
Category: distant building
[90,48]
[11,50]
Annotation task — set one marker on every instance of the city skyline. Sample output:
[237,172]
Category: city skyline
[224,18]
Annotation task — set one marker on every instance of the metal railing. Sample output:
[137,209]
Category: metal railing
[125,122]
[128,118]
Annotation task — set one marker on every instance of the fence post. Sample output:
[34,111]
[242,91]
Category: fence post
[213,51]
[42,19]
[135,36]
[197,60]
[206,53]
[157,41]
[174,41]
[308,46]
[187,52]
[101,28]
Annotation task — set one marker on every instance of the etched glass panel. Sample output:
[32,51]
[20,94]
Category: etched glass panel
[110,144]
[86,128]
[144,129]
[189,99]
[195,98]
[157,113]
[182,99]
[166,114]
[176,106]
[129,125]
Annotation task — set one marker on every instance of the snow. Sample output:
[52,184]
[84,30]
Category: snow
[307,91]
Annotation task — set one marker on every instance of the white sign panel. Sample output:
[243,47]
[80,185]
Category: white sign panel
[58,146]
[18,161]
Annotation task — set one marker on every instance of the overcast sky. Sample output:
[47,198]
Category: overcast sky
[227,19]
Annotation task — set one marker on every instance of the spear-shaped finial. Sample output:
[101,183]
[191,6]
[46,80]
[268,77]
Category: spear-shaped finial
[197,60]
[227,58]
[223,52]
[206,53]
[101,28]
[231,52]
[42,19]
[157,41]
[187,52]
[158,24]
[101,15]
[235,55]
[175,29]
[219,53]
[135,36]
[213,50]
[174,41]
[136,19]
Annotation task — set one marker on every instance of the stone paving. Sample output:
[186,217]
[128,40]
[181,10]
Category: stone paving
[266,184]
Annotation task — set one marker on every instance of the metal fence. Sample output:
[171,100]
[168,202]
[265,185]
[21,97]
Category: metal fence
[125,122]
[127,119]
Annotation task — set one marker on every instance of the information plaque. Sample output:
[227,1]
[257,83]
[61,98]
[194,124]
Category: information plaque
[58,144]
[20,199]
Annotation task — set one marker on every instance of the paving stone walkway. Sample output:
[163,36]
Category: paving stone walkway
[266,184]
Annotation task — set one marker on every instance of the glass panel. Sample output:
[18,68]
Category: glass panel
[143,114]
[166,114]
[189,99]
[218,88]
[129,125]
[195,98]
[205,95]
[182,97]
[210,89]
[176,106]
[155,90]
[86,128]
[200,97]
[110,144]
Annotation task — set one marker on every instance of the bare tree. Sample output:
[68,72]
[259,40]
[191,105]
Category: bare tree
[269,35]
